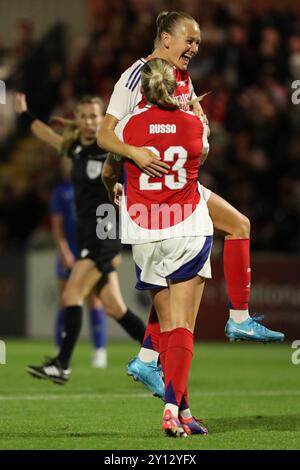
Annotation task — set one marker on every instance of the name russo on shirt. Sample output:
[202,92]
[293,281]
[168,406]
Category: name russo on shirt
[162,129]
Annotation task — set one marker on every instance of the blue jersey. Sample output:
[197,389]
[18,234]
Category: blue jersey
[63,203]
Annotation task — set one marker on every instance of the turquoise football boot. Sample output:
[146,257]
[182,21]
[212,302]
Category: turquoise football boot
[252,330]
[149,374]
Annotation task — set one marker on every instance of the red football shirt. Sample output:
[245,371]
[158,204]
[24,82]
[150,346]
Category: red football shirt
[159,203]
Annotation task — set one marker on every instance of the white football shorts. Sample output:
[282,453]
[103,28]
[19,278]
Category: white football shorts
[172,259]
[206,193]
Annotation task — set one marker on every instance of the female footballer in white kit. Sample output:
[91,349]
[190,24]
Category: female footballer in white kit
[177,41]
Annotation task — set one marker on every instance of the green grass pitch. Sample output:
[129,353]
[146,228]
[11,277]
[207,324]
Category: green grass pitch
[247,394]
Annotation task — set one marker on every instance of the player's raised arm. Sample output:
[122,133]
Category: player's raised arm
[41,130]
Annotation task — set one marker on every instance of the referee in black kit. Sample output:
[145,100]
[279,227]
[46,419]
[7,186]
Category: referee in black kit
[98,259]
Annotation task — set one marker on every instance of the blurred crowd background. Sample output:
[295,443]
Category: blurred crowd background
[249,56]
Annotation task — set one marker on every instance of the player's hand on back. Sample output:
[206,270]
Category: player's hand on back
[148,162]
[198,110]
[117,193]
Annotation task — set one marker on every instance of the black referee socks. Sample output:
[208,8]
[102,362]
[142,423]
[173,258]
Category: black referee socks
[133,325]
[72,327]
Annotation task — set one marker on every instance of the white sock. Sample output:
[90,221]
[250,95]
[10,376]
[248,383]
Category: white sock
[238,316]
[172,408]
[148,355]
[185,414]
[99,358]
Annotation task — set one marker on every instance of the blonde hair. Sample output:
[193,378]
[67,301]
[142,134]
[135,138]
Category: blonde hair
[167,21]
[71,131]
[159,83]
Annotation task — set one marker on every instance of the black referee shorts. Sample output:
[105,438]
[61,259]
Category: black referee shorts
[91,247]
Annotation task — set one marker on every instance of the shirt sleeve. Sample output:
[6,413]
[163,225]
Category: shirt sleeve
[119,133]
[126,95]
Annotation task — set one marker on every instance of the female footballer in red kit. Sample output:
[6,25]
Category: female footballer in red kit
[166,221]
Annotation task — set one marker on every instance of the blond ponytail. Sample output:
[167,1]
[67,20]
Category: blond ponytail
[198,99]
[159,83]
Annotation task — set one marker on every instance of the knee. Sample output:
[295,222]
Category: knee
[242,228]
[245,227]
[115,311]
[116,262]
[66,296]
[94,302]
[180,324]
[71,296]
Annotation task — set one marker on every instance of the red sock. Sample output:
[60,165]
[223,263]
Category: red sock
[163,346]
[152,333]
[177,364]
[236,260]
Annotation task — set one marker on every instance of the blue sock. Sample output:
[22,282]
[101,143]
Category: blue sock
[59,327]
[98,327]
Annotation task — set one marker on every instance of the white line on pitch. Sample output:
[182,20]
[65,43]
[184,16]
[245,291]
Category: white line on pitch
[118,396]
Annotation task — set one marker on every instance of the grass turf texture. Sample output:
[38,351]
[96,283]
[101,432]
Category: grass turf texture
[247,395]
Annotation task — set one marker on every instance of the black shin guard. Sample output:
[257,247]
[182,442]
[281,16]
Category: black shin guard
[133,325]
[72,327]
